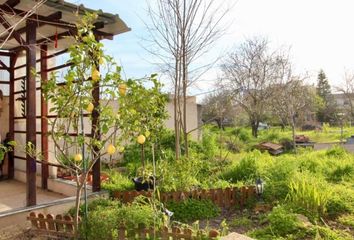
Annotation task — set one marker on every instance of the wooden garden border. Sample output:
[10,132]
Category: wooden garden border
[224,198]
[63,226]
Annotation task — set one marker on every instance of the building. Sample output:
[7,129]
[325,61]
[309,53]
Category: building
[36,43]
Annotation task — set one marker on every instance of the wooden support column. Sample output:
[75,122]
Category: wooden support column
[44,120]
[96,178]
[11,161]
[31,111]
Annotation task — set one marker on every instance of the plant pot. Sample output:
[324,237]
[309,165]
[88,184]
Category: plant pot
[142,184]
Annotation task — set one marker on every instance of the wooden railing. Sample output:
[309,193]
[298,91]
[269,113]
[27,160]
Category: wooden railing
[63,226]
[224,198]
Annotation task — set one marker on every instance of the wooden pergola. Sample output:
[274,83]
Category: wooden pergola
[37,35]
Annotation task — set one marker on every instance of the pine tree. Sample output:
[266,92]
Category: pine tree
[327,113]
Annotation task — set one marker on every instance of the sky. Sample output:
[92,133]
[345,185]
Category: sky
[319,33]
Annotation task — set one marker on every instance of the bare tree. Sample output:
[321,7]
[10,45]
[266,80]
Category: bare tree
[250,72]
[218,107]
[182,31]
[291,98]
[347,89]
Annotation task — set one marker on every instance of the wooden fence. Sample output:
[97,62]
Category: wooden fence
[224,198]
[50,225]
[63,226]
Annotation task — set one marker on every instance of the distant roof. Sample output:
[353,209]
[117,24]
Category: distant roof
[55,18]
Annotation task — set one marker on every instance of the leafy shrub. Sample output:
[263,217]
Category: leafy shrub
[245,170]
[242,134]
[336,206]
[94,205]
[209,146]
[340,172]
[178,175]
[191,209]
[329,234]
[104,221]
[117,182]
[336,151]
[283,224]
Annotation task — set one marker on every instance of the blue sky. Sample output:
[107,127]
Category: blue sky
[320,34]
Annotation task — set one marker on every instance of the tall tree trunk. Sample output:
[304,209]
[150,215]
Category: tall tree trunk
[184,78]
[293,134]
[254,126]
[77,207]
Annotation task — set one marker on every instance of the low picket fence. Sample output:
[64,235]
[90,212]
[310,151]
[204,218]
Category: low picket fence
[63,227]
[224,198]
[50,225]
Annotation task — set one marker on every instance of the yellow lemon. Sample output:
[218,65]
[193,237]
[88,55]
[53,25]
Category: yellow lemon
[111,149]
[95,74]
[122,89]
[141,139]
[78,157]
[147,133]
[90,107]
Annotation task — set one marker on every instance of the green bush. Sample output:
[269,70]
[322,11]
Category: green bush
[336,206]
[103,221]
[245,170]
[117,182]
[243,134]
[282,224]
[93,205]
[191,209]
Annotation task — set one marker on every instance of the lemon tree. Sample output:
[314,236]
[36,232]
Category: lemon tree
[141,107]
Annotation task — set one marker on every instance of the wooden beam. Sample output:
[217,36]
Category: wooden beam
[11,162]
[12,3]
[54,16]
[57,23]
[45,40]
[31,111]
[7,25]
[44,120]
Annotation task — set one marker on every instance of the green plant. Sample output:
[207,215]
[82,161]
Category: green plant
[308,194]
[347,220]
[141,108]
[245,170]
[282,224]
[94,204]
[242,221]
[117,182]
[105,220]
[5,148]
[191,209]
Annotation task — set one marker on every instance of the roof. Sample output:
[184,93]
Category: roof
[55,18]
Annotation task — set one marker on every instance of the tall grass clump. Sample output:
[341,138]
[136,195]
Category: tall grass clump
[308,194]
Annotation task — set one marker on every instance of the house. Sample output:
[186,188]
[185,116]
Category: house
[36,43]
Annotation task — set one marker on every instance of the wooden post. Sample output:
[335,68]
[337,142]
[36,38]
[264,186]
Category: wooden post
[96,178]
[31,111]
[44,120]
[11,162]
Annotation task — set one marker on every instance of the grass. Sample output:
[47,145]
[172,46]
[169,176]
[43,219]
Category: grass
[318,185]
